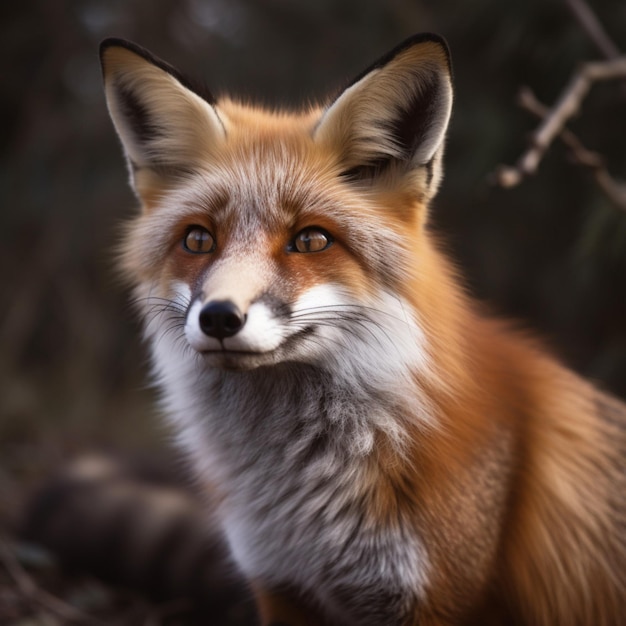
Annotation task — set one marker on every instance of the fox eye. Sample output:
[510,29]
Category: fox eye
[198,240]
[311,239]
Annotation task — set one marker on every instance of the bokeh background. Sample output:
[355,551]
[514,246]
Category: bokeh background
[550,253]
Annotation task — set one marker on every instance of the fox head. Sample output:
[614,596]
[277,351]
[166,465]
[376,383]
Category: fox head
[278,237]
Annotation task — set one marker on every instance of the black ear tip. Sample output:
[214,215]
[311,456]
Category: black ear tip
[105,44]
[420,38]
[112,41]
[434,37]
[410,42]
[423,37]
[118,42]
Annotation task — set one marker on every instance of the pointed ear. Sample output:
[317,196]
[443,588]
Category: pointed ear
[393,117]
[164,125]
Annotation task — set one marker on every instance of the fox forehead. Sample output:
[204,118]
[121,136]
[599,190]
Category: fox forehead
[273,178]
[277,180]
[269,167]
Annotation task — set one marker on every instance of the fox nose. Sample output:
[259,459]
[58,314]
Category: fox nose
[221,319]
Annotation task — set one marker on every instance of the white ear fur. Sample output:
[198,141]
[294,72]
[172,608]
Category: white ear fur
[397,111]
[161,122]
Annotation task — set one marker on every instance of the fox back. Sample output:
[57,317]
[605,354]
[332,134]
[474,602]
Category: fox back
[381,451]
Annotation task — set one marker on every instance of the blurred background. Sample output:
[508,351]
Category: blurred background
[550,252]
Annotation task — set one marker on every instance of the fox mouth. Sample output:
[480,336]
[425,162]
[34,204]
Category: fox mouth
[237,359]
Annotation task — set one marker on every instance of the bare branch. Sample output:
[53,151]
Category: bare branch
[594,29]
[614,190]
[554,120]
[528,101]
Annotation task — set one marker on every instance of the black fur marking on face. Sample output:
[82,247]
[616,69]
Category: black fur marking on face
[279,308]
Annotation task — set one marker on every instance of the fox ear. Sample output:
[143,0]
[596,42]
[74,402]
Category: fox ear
[164,125]
[393,117]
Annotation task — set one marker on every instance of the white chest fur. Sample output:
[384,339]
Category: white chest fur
[291,453]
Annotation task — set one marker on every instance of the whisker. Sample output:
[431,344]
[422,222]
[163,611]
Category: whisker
[350,319]
[333,308]
[347,324]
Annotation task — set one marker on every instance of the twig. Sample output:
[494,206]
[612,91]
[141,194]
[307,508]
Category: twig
[615,191]
[29,589]
[554,121]
[594,29]
[568,104]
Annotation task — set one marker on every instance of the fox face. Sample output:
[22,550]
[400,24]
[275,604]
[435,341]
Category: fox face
[274,238]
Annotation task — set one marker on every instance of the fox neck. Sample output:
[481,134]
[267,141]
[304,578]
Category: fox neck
[295,409]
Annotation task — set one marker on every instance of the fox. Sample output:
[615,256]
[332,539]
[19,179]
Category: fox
[379,449]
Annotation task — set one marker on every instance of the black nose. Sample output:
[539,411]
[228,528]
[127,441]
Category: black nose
[221,319]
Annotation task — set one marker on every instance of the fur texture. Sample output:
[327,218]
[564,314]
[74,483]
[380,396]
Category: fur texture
[383,452]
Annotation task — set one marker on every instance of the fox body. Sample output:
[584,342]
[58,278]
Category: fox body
[380,451]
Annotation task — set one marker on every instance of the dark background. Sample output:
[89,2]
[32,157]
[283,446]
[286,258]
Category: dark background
[551,252]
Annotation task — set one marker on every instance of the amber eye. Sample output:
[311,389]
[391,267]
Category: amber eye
[198,240]
[311,240]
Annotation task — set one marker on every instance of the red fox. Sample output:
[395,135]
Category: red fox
[382,451]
